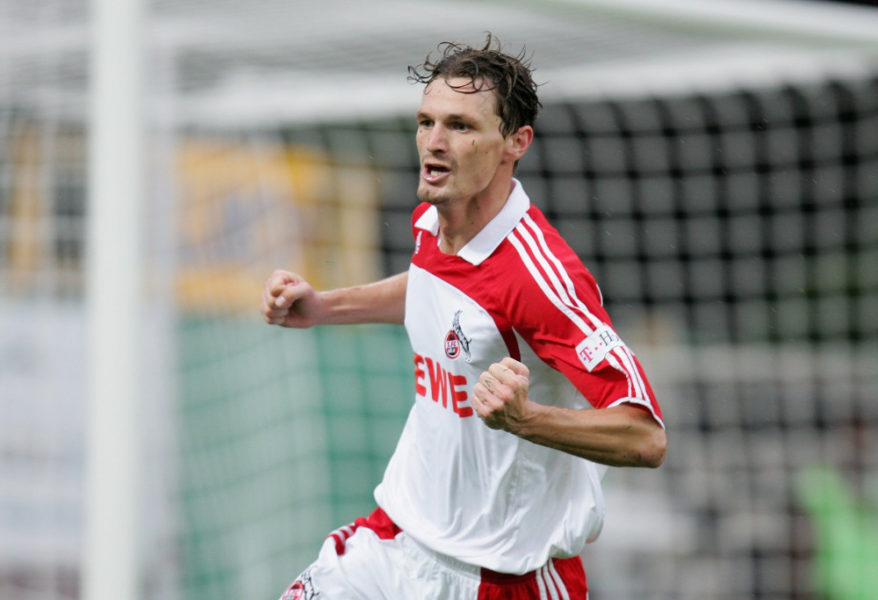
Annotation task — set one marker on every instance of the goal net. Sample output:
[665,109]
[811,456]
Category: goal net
[717,174]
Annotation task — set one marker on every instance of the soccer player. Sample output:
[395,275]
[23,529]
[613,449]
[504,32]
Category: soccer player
[523,390]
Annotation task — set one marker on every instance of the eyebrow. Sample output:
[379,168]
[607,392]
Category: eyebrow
[452,117]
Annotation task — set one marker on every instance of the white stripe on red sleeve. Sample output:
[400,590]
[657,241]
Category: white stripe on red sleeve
[572,308]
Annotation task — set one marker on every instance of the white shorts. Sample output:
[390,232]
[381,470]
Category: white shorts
[372,559]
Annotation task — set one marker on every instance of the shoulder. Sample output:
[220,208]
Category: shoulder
[540,236]
[544,255]
[547,274]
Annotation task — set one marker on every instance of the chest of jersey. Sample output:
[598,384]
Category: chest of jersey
[454,340]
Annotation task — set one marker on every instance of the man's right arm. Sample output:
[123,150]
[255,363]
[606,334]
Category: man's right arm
[290,301]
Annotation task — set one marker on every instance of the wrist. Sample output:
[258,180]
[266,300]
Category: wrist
[526,425]
[322,311]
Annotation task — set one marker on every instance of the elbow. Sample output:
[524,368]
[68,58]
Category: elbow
[655,446]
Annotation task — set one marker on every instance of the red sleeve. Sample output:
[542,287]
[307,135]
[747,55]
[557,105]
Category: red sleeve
[557,308]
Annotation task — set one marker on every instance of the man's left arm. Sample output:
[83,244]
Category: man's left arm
[622,435]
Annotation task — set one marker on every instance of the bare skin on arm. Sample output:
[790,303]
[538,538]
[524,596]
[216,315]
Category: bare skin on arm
[624,435]
[289,300]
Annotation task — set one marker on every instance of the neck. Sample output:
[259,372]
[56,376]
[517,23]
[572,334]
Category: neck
[459,222]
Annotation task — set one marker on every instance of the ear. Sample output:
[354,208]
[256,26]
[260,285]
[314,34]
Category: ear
[518,142]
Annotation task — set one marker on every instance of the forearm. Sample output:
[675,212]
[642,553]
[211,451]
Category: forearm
[379,302]
[623,435]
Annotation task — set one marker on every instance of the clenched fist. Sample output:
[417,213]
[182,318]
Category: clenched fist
[500,396]
[290,301]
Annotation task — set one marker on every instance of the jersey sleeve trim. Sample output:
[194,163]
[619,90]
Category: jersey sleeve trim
[643,403]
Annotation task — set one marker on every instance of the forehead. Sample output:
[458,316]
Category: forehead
[457,95]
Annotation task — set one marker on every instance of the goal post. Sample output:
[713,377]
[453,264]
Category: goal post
[114,286]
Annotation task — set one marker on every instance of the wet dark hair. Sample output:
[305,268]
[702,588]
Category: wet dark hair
[487,69]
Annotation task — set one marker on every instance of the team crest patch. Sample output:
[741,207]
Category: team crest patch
[456,341]
[302,589]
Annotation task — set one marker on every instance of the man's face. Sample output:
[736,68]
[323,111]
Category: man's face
[459,142]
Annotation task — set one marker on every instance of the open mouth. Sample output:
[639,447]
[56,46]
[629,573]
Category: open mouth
[433,172]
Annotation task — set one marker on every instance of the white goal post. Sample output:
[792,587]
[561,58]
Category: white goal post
[113,291]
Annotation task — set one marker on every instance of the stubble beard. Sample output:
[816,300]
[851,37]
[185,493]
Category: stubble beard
[432,196]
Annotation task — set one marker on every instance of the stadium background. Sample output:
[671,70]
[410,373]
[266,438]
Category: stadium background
[715,167]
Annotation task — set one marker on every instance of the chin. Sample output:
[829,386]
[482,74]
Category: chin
[431,196]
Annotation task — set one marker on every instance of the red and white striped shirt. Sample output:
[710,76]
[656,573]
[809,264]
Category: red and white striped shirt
[484,496]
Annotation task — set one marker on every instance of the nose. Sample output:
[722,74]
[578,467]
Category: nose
[436,139]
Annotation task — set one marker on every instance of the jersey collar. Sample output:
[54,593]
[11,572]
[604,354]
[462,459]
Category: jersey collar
[485,241]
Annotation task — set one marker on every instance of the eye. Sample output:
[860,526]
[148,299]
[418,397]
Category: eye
[459,126]
[425,123]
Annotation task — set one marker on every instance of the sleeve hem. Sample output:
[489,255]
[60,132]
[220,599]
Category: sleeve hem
[640,402]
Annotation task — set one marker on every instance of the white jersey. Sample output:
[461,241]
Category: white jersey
[484,496]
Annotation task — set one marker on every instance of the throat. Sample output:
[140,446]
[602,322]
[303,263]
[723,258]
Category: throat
[451,247]
[460,220]
[454,234]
